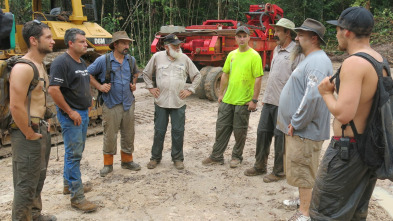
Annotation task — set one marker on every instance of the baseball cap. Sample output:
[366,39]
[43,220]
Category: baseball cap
[243,29]
[315,26]
[356,19]
[172,39]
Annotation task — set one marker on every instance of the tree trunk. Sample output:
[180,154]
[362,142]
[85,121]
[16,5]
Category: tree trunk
[102,11]
[218,9]
[170,12]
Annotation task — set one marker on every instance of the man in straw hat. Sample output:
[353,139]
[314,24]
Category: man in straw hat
[117,74]
[281,68]
[171,68]
[344,192]
[302,114]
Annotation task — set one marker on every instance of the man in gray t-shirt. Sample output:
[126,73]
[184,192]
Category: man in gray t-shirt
[303,115]
[285,60]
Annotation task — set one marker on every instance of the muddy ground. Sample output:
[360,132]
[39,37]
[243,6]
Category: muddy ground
[195,193]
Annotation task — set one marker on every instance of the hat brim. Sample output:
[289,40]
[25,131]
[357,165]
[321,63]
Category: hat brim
[274,25]
[112,43]
[312,30]
[333,22]
[174,42]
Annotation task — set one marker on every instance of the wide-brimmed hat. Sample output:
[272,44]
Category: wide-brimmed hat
[285,23]
[315,26]
[356,19]
[172,39]
[243,29]
[120,35]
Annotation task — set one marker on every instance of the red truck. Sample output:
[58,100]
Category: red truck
[208,44]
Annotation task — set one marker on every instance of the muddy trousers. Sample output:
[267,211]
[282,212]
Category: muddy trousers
[116,118]
[161,120]
[29,164]
[74,143]
[266,130]
[231,118]
[343,188]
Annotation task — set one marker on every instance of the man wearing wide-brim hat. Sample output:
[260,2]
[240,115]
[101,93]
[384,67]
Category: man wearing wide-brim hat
[281,68]
[303,115]
[115,75]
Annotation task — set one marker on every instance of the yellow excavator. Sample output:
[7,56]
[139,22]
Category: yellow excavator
[61,15]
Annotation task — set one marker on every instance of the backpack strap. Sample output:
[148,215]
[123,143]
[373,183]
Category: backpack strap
[109,70]
[131,63]
[378,68]
[33,84]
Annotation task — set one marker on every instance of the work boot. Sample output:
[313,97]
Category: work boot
[86,188]
[130,166]
[179,165]
[272,178]
[209,161]
[107,169]
[234,163]
[46,217]
[86,206]
[254,172]
[152,164]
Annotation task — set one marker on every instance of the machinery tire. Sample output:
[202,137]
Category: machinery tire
[212,83]
[200,90]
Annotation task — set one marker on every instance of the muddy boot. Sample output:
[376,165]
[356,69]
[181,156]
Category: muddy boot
[128,163]
[179,165]
[152,164]
[46,217]
[85,206]
[108,165]
[254,171]
[86,188]
[107,169]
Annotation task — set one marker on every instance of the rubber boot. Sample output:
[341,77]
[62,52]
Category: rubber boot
[108,165]
[128,163]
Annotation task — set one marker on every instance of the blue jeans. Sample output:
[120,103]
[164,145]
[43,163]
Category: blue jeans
[74,143]
[161,119]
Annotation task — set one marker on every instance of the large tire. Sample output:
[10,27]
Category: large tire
[200,90]
[212,83]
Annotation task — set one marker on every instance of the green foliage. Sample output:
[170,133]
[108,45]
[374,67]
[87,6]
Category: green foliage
[112,23]
[383,26]
[21,10]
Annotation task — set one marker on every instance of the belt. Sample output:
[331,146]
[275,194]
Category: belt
[36,122]
[351,139]
[336,142]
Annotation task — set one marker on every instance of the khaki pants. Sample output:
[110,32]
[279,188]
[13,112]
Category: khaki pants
[116,118]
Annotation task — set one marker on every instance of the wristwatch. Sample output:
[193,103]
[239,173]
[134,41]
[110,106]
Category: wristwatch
[255,101]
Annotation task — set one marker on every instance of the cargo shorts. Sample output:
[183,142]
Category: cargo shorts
[301,161]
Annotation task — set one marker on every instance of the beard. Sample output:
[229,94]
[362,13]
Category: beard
[296,51]
[125,52]
[44,51]
[175,54]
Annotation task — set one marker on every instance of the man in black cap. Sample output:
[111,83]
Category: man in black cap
[303,116]
[239,90]
[117,73]
[345,183]
[171,68]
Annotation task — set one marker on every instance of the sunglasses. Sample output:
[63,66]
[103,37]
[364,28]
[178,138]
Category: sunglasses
[37,22]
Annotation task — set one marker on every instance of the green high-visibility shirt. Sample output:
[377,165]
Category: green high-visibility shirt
[242,68]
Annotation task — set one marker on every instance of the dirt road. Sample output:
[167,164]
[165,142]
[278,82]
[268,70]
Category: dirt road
[196,193]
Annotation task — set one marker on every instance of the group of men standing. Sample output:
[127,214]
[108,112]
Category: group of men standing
[296,111]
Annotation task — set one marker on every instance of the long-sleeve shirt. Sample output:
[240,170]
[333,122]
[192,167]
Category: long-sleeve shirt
[171,77]
[281,69]
[301,105]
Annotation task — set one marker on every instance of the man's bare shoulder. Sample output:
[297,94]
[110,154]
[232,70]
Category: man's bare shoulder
[22,72]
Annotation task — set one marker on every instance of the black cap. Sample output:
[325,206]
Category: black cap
[172,39]
[356,19]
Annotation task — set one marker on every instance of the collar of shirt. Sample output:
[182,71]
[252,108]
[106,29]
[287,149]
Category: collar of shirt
[112,57]
[288,48]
